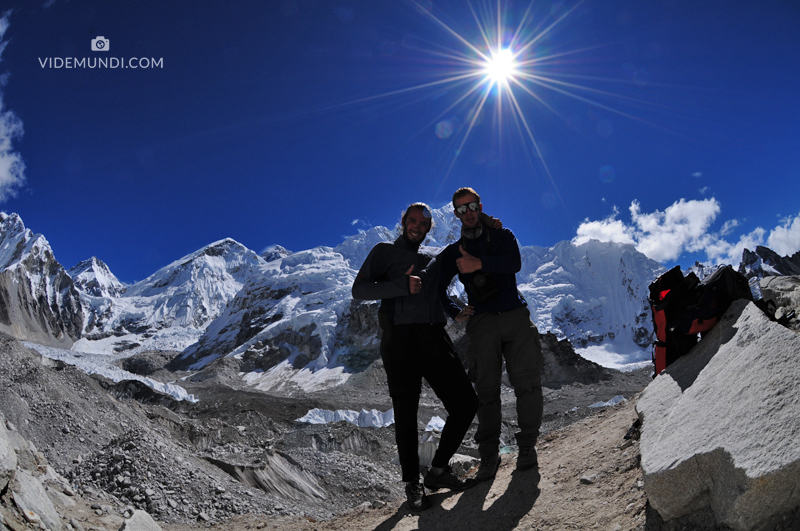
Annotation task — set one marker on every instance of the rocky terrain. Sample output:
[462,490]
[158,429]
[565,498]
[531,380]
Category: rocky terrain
[235,454]
[92,454]
[256,342]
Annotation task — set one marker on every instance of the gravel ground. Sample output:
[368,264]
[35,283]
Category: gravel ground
[239,459]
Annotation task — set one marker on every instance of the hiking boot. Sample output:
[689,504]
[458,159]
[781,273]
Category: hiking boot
[527,458]
[445,480]
[488,468]
[415,494]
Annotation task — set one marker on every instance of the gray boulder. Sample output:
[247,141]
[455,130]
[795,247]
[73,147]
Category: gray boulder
[8,459]
[721,425]
[33,501]
[785,292]
[140,521]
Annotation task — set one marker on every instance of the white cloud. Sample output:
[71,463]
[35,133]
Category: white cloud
[665,235]
[12,168]
[703,190]
[728,227]
[607,230]
[660,235]
[720,251]
[697,174]
[685,226]
[785,239]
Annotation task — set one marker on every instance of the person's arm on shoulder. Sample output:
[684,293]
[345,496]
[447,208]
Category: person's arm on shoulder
[447,270]
[508,259]
[372,281]
[490,221]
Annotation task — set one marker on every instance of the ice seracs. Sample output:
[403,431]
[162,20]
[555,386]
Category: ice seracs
[171,308]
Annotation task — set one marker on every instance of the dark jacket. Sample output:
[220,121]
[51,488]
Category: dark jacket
[499,253]
[383,276]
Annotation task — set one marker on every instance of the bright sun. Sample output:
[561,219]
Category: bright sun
[501,66]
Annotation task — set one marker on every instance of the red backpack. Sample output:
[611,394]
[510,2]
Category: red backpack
[684,307]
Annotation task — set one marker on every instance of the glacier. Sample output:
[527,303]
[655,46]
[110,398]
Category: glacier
[291,321]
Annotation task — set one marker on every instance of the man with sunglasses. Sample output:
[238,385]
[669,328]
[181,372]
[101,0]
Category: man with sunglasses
[499,327]
[415,345]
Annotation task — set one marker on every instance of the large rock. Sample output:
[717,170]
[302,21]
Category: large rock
[33,501]
[785,292]
[140,521]
[721,425]
[8,459]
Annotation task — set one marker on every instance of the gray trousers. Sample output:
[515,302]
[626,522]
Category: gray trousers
[513,336]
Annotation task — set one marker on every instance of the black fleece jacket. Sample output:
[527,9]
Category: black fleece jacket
[383,276]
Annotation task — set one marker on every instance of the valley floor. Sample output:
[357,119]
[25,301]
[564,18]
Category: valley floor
[589,478]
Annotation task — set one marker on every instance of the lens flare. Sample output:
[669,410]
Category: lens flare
[504,70]
[501,67]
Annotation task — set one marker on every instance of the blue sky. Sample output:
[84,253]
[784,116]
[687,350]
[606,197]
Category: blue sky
[672,124]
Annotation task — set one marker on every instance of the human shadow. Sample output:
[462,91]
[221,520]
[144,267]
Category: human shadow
[503,513]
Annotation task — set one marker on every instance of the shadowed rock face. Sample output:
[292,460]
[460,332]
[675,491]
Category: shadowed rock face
[785,292]
[764,262]
[563,366]
[720,425]
[38,302]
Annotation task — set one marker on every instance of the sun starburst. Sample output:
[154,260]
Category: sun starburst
[511,60]
[501,66]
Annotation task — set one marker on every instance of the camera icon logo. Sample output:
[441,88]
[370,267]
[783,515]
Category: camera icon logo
[100,44]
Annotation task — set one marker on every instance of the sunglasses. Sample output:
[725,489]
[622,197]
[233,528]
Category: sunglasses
[461,209]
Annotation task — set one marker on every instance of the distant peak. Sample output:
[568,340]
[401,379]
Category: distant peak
[12,223]
[275,252]
[220,247]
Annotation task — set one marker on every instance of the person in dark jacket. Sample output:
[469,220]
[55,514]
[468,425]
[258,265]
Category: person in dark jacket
[498,327]
[415,345]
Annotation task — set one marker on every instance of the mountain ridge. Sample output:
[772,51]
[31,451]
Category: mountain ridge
[295,308]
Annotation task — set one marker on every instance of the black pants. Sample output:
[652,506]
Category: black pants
[412,352]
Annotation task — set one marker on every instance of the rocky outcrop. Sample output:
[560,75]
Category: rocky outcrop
[785,292]
[26,482]
[720,426]
[38,301]
[140,521]
[8,458]
[275,252]
[764,262]
[563,366]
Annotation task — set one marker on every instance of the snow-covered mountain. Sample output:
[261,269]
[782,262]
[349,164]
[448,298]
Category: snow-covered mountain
[298,312]
[590,293]
[170,309]
[38,301]
[289,310]
[273,252]
[293,312]
[93,277]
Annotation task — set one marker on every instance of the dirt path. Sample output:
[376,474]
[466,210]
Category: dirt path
[589,478]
